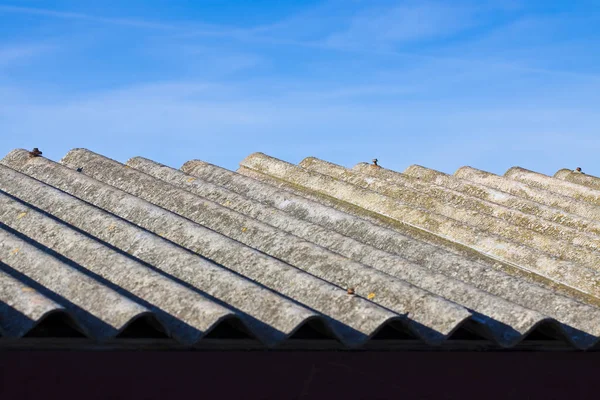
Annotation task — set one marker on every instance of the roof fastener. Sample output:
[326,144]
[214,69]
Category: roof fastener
[35,152]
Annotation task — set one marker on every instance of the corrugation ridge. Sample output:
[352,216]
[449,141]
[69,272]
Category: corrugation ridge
[26,302]
[132,320]
[580,344]
[563,173]
[529,235]
[162,254]
[329,332]
[581,278]
[569,189]
[516,290]
[583,179]
[441,285]
[348,323]
[224,319]
[66,313]
[193,311]
[368,335]
[523,190]
[485,193]
[485,332]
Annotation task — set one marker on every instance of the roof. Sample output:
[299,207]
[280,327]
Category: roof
[277,255]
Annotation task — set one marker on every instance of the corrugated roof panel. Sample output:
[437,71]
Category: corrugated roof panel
[271,317]
[279,252]
[543,220]
[582,278]
[186,314]
[529,192]
[100,311]
[508,200]
[344,313]
[21,306]
[559,241]
[572,190]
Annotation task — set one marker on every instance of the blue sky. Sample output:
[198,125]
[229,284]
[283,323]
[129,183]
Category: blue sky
[491,84]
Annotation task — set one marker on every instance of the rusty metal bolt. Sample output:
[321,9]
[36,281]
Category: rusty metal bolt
[35,152]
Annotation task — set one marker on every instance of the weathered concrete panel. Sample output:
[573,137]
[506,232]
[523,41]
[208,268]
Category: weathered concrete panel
[21,307]
[559,186]
[576,276]
[491,195]
[346,315]
[533,193]
[271,317]
[556,240]
[196,314]
[100,311]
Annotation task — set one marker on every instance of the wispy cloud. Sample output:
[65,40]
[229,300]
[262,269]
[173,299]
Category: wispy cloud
[382,29]
[213,60]
[368,30]
[139,23]
[356,26]
[14,54]
[176,30]
[377,26]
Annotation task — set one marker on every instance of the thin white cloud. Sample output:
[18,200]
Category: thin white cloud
[14,54]
[80,16]
[339,25]
[380,31]
[403,23]
[175,30]
[311,29]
